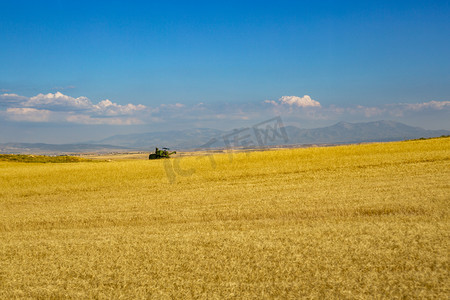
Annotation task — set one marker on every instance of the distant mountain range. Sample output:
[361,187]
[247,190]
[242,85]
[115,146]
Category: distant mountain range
[343,132]
[203,138]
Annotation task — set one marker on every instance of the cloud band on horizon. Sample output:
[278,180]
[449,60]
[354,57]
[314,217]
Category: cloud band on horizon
[60,108]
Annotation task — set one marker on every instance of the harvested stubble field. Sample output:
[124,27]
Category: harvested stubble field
[359,221]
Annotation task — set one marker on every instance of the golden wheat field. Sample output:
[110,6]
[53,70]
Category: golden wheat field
[358,222]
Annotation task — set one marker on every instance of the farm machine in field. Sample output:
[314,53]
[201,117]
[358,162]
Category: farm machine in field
[164,153]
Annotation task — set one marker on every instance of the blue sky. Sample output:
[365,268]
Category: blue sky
[218,64]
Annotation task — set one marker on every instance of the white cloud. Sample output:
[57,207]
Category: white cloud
[28,114]
[400,109]
[58,107]
[61,102]
[108,108]
[58,101]
[88,120]
[172,106]
[11,99]
[304,101]
[439,105]
[60,88]
[367,111]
